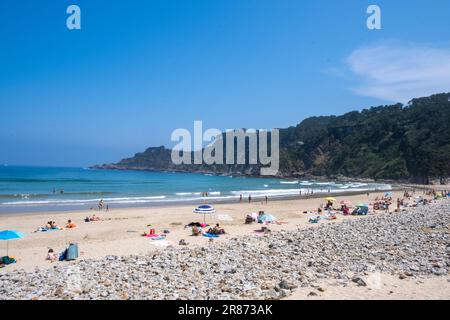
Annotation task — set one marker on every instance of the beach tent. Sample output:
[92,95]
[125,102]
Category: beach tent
[266,218]
[362,209]
[8,235]
[204,209]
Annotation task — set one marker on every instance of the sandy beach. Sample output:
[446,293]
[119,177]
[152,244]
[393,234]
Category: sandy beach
[120,235]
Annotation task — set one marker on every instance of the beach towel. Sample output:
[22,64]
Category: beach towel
[266,218]
[155,236]
[314,220]
[210,235]
[45,229]
[160,237]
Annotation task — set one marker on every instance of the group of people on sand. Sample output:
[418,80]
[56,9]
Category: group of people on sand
[198,229]
[51,225]
[382,204]
[92,218]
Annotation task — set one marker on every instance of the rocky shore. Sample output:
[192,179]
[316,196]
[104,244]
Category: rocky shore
[412,243]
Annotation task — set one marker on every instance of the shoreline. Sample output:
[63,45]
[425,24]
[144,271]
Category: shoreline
[204,200]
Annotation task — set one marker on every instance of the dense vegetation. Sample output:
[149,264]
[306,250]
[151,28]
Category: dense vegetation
[389,142]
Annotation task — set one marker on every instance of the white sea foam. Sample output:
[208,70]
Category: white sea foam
[195,196]
[289,182]
[84,201]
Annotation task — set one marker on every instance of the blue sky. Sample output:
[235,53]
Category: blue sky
[137,70]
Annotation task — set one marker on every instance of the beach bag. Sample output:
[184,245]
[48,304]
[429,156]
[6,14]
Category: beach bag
[8,260]
[72,252]
[63,255]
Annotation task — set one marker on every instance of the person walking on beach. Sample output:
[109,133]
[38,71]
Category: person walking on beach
[267,199]
[240,198]
[249,198]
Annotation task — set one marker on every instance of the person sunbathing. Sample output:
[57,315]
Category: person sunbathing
[345,210]
[54,226]
[70,225]
[93,218]
[216,230]
[196,231]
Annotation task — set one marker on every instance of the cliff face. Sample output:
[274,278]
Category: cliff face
[393,142]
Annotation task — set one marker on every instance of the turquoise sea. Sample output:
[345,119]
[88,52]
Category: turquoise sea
[28,189]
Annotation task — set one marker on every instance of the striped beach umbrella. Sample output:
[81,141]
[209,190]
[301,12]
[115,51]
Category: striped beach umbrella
[205,209]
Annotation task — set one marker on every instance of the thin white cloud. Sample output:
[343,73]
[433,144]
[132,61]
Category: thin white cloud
[399,73]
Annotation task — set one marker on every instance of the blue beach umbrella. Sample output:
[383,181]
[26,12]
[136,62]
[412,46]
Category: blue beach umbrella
[8,235]
[205,209]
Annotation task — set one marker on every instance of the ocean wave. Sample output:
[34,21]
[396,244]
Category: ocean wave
[188,193]
[84,201]
[267,192]
[289,182]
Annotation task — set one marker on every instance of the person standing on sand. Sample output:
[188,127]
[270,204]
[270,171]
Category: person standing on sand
[249,198]
[240,198]
[267,199]
[398,204]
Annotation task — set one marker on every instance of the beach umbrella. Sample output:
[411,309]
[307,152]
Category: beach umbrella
[330,199]
[362,205]
[205,209]
[8,235]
